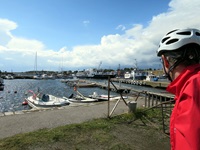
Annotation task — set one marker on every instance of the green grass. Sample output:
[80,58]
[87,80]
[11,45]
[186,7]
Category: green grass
[127,131]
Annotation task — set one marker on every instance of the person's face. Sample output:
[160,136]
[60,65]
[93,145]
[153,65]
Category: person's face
[166,66]
[165,63]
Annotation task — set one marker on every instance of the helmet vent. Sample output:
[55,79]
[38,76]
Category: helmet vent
[172,41]
[184,33]
[171,31]
[163,40]
[197,33]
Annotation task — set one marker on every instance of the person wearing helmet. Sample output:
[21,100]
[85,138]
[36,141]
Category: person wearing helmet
[180,53]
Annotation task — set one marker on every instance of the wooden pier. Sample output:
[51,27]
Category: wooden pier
[114,88]
[103,85]
[122,88]
[157,84]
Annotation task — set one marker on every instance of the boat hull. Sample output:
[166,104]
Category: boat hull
[105,97]
[34,105]
[89,100]
[35,102]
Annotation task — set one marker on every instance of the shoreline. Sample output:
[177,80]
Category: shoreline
[12,124]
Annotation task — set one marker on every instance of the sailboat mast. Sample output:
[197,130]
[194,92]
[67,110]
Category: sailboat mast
[35,67]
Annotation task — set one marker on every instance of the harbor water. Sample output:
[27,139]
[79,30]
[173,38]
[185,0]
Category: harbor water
[14,93]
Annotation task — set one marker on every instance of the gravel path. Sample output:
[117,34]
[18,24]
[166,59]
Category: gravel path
[23,122]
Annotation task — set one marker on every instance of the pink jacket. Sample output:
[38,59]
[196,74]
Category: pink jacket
[185,117]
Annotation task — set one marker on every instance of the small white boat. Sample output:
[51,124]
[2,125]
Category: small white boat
[80,98]
[151,77]
[45,100]
[36,77]
[105,97]
[9,77]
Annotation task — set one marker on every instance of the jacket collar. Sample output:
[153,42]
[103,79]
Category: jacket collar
[175,86]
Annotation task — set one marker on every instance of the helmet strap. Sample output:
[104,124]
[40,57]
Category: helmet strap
[171,68]
[167,73]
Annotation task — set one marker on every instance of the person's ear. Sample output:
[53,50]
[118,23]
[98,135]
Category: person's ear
[165,61]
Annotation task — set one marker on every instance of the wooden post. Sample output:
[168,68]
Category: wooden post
[152,102]
[149,99]
[108,96]
[163,120]
[145,100]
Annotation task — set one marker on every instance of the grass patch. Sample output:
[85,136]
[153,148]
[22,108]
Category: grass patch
[125,132]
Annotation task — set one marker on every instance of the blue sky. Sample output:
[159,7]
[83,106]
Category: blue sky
[79,34]
[76,22]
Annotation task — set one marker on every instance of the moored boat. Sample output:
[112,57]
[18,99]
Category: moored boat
[103,97]
[40,100]
[99,74]
[151,77]
[80,98]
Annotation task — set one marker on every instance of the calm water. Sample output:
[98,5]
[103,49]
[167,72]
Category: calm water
[14,91]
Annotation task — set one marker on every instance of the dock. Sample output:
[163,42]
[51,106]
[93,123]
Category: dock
[103,85]
[156,84]
[79,83]
[118,88]
[151,98]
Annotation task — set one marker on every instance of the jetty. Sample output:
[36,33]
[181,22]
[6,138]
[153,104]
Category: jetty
[103,85]
[118,86]
[157,84]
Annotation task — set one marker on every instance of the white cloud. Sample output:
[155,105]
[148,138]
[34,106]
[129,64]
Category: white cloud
[5,27]
[24,45]
[86,22]
[8,58]
[138,42]
[120,27]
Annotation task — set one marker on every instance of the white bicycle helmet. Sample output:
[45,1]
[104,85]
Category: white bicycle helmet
[178,38]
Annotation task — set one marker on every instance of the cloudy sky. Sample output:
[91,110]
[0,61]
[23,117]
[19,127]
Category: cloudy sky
[79,34]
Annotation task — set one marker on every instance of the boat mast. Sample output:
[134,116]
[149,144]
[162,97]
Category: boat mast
[35,65]
[136,67]
[99,65]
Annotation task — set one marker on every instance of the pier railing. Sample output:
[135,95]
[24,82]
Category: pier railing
[158,84]
[161,101]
